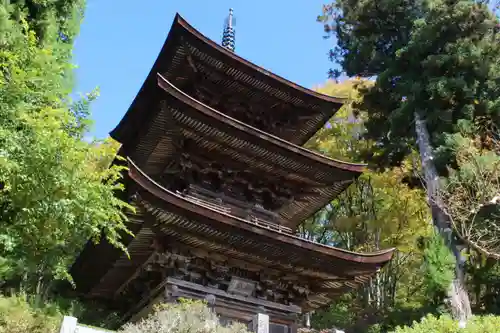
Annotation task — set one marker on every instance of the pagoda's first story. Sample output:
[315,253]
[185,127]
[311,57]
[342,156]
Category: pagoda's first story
[220,183]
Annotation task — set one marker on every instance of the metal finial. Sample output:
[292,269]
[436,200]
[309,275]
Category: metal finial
[228,35]
[230,18]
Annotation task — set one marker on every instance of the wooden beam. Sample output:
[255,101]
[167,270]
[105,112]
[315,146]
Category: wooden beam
[134,275]
[243,299]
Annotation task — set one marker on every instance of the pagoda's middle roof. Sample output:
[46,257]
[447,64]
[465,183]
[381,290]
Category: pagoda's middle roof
[216,136]
[232,85]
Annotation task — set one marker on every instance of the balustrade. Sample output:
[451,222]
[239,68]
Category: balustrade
[227,205]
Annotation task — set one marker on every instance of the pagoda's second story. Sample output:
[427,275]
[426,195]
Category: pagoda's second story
[193,149]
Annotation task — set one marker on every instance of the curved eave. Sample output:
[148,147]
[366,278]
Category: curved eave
[231,56]
[300,245]
[127,129]
[260,138]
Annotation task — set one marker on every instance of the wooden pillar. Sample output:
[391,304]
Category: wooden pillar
[260,323]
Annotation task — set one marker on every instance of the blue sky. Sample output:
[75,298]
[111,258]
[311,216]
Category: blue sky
[119,42]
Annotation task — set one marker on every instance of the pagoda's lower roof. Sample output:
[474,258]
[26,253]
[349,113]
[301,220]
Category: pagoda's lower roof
[329,270]
[214,136]
[231,84]
[164,204]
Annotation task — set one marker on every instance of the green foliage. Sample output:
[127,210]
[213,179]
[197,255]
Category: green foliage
[51,19]
[22,313]
[19,315]
[340,138]
[438,58]
[56,189]
[445,324]
[338,314]
[53,197]
[439,267]
[484,283]
[379,211]
[192,317]
[468,190]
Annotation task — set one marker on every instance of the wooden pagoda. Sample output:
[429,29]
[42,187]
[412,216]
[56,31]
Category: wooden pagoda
[220,182]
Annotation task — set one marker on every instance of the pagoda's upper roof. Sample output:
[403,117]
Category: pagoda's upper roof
[233,85]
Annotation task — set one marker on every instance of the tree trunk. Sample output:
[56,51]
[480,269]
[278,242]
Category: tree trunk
[458,297]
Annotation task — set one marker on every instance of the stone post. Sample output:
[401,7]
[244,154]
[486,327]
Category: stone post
[171,294]
[211,300]
[308,319]
[260,323]
[68,325]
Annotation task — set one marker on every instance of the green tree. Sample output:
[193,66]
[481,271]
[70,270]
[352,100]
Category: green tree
[445,324]
[438,269]
[364,218]
[19,315]
[436,65]
[56,191]
[439,58]
[50,19]
[471,193]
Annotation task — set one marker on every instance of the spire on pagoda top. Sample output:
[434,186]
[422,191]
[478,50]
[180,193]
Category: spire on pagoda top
[228,35]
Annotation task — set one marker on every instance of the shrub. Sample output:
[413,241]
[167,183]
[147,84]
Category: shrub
[192,317]
[18,315]
[445,324]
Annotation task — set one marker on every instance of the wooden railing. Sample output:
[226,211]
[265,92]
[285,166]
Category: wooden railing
[208,204]
[228,205]
[270,225]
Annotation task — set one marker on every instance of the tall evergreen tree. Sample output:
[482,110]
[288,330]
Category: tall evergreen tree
[436,64]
